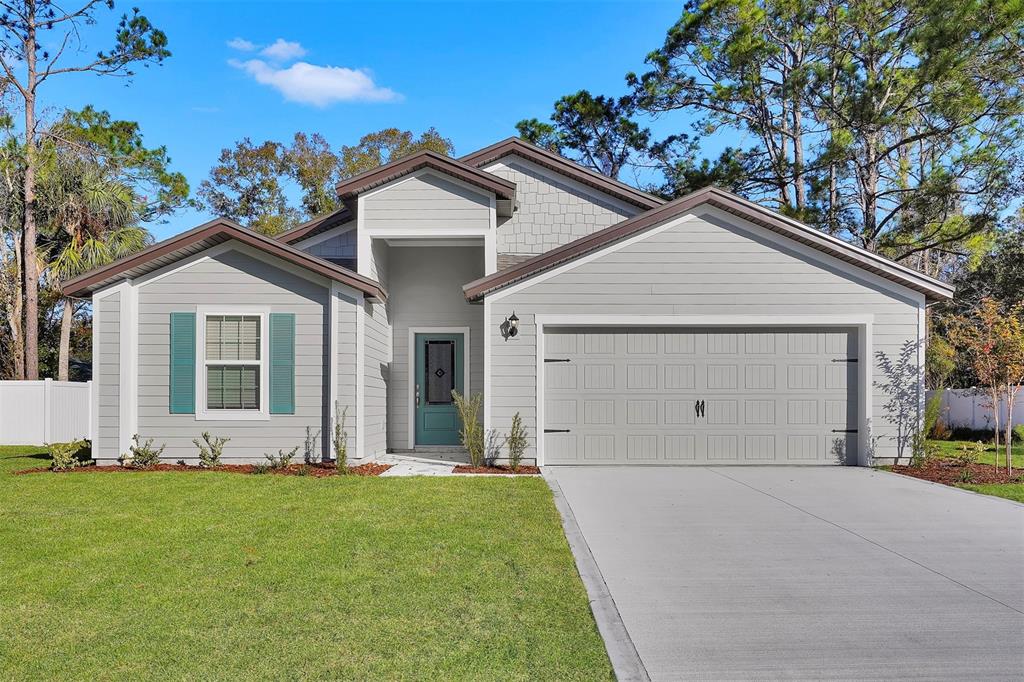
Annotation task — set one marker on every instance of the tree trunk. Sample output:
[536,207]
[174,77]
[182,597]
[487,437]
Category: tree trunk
[67,315]
[994,395]
[29,262]
[1011,394]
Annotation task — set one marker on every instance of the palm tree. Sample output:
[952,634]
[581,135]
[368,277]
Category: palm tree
[90,220]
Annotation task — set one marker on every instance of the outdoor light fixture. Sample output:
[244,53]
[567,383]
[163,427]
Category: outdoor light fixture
[510,327]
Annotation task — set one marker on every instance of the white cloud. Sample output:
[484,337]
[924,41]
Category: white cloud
[283,51]
[320,86]
[241,44]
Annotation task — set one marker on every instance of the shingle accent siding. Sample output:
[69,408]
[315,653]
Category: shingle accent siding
[339,246]
[552,210]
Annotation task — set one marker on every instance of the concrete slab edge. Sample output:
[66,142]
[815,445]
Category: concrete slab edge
[625,660]
[949,487]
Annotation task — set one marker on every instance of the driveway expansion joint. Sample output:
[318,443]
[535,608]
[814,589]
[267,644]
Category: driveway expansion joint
[866,539]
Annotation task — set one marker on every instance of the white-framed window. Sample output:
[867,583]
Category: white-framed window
[232,371]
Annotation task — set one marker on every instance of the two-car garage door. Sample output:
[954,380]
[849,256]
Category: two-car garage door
[695,396]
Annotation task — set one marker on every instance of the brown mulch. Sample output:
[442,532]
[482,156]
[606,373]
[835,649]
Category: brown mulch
[500,469]
[314,470]
[950,472]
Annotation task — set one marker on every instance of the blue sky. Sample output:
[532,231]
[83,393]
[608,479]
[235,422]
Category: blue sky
[469,69]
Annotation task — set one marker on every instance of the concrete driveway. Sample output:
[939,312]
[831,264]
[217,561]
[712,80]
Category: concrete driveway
[817,573]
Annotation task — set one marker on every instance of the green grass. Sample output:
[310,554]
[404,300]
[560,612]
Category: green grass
[950,448]
[1011,491]
[214,575]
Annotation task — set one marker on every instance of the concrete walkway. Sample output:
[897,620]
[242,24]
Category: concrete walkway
[807,573]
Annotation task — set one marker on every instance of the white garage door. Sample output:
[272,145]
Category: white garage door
[700,396]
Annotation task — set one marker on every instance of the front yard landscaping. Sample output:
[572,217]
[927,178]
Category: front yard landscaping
[967,465]
[174,575]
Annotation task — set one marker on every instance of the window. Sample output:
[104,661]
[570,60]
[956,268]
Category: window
[233,362]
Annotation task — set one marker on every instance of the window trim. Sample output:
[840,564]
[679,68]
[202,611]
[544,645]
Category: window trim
[203,413]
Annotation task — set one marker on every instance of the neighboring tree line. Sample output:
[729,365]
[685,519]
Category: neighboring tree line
[250,181]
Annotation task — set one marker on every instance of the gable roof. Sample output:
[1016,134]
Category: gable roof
[559,164]
[203,237]
[316,226]
[347,189]
[932,288]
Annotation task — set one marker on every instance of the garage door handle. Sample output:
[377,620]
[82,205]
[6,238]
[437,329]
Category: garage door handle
[557,360]
[698,408]
[845,430]
[556,430]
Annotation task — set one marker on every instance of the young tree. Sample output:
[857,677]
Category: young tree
[25,27]
[245,185]
[992,338]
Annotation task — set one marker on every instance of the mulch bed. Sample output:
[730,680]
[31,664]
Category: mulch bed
[950,472]
[314,470]
[523,470]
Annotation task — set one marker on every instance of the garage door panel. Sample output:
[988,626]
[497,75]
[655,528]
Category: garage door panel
[628,396]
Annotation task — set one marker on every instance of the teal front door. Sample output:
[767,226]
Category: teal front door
[439,371]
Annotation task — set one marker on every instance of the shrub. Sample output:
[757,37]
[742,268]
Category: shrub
[65,456]
[932,412]
[340,438]
[304,470]
[517,442]
[1018,434]
[282,459]
[472,433]
[210,450]
[969,454]
[309,453]
[142,455]
[261,468]
[966,475]
[921,451]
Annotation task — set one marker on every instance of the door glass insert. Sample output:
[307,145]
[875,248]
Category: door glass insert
[440,372]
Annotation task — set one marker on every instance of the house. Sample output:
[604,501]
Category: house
[622,328]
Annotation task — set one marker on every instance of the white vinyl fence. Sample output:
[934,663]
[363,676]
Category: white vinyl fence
[967,408]
[47,411]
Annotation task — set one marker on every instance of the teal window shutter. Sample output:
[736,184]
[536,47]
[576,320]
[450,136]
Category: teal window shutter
[183,363]
[282,363]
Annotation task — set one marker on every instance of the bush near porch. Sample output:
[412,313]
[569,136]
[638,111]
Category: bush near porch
[174,575]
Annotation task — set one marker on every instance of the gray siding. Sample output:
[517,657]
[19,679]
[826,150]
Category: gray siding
[377,358]
[233,278]
[347,367]
[553,210]
[425,203]
[714,265]
[107,373]
[426,286]
[338,246]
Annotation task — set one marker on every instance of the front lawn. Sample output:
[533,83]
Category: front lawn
[950,448]
[1011,491]
[217,575]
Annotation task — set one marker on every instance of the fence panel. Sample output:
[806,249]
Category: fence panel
[966,408]
[47,411]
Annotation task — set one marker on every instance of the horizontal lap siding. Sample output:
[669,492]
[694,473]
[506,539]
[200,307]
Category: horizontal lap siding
[107,373]
[552,210]
[377,358]
[347,366]
[715,265]
[424,203]
[233,278]
[426,287]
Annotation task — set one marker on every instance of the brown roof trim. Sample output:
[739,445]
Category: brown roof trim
[226,230]
[347,189]
[313,227]
[543,157]
[932,288]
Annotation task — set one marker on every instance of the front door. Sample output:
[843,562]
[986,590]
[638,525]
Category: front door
[439,371]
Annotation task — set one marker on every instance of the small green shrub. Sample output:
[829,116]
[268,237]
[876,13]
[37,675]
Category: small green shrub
[339,438]
[261,468]
[966,476]
[517,442]
[66,456]
[309,447]
[210,450]
[472,432]
[969,453]
[304,470]
[1018,434]
[932,412]
[282,459]
[921,451]
[142,455]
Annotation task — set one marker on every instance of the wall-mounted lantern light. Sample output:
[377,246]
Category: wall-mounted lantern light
[510,327]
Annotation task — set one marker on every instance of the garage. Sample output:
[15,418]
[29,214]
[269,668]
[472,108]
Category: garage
[689,395]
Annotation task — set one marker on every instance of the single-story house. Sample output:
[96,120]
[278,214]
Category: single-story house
[622,328]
